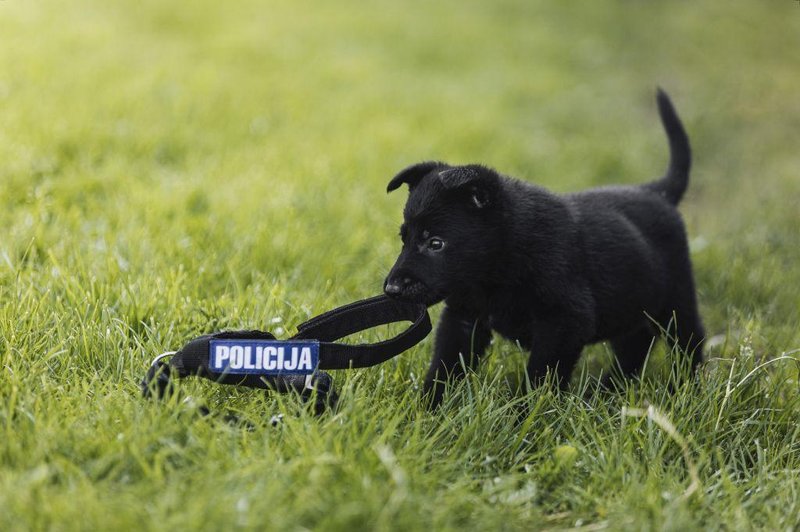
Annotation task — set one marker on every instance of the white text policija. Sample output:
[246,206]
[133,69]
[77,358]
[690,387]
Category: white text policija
[263,358]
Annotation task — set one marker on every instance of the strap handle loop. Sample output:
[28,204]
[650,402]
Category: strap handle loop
[360,316]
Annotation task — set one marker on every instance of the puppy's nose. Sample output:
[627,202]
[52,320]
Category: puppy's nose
[396,286]
[392,289]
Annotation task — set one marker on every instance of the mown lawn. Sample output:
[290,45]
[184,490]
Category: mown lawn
[169,169]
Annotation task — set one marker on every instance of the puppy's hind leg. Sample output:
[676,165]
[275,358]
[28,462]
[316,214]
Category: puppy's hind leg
[561,362]
[631,351]
[684,327]
[461,341]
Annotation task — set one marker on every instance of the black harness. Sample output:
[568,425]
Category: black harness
[256,359]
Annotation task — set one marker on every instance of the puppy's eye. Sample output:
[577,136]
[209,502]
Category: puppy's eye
[435,244]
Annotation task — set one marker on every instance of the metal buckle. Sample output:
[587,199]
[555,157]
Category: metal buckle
[162,355]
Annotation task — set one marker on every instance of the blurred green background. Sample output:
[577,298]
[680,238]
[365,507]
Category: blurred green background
[173,168]
[146,131]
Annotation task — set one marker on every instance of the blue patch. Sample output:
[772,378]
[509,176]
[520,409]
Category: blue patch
[263,357]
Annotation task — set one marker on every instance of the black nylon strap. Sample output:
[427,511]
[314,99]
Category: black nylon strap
[193,357]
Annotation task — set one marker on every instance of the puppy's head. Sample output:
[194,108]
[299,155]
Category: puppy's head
[452,231]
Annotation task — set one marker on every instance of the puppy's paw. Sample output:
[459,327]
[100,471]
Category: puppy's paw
[432,393]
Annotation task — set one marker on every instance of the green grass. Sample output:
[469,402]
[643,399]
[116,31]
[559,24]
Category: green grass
[172,169]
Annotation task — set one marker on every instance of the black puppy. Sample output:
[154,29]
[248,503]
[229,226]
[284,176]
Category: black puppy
[553,272]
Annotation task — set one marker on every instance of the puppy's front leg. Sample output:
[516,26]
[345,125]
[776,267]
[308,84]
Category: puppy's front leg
[556,348]
[459,335]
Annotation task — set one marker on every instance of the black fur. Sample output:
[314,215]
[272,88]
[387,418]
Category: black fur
[553,272]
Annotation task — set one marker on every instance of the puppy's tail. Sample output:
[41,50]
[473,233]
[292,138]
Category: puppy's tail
[674,183]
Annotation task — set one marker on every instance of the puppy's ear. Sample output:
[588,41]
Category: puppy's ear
[476,182]
[412,174]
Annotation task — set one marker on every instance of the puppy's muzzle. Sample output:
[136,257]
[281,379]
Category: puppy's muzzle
[403,287]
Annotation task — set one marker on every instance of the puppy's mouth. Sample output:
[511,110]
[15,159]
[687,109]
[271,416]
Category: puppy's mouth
[414,292]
